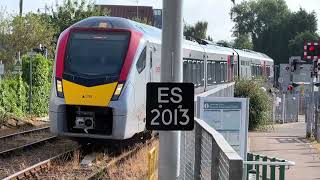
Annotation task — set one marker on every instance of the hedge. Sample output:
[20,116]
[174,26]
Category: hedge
[260,108]
[14,89]
[13,95]
[41,82]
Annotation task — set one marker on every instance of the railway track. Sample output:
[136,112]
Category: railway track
[40,170]
[25,139]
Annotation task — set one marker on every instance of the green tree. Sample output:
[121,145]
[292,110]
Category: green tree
[209,38]
[271,25]
[243,42]
[224,43]
[296,44]
[23,33]
[199,30]
[72,11]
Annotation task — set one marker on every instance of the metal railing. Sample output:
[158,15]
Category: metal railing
[258,167]
[205,154]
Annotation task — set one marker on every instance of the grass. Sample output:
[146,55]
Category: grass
[135,167]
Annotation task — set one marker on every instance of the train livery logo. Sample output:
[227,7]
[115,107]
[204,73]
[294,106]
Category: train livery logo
[170,106]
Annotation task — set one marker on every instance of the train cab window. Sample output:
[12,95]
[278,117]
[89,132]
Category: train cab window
[141,63]
[95,54]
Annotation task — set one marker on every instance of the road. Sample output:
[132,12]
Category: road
[288,142]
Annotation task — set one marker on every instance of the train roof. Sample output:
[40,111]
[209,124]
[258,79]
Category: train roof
[154,34]
[253,54]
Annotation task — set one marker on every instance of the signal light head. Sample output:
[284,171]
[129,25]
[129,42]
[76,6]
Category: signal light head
[311,48]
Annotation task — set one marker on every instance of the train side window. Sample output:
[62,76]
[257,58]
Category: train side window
[185,68]
[189,72]
[194,73]
[202,73]
[141,63]
[213,70]
[209,73]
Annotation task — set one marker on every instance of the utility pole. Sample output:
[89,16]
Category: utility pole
[171,71]
[20,7]
[137,8]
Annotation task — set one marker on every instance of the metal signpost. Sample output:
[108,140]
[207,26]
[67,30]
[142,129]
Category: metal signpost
[31,55]
[230,117]
[1,69]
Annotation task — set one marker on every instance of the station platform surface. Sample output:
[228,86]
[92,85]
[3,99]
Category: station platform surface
[287,141]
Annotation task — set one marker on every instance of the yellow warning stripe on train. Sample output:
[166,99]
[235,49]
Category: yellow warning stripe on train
[76,94]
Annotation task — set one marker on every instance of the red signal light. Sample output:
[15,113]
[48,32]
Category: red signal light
[312,48]
[290,88]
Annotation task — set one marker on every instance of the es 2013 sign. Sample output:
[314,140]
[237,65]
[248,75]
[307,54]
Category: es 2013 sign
[170,106]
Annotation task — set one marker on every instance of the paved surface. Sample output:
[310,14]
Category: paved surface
[287,142]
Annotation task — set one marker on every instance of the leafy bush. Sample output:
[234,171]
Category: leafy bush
[41,82]
[13,95]
[260,108]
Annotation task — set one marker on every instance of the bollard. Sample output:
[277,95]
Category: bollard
[252,174]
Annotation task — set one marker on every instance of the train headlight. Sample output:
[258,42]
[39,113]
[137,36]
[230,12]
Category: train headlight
[59,88]
[117,92]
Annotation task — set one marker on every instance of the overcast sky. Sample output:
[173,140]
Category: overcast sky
[216,12]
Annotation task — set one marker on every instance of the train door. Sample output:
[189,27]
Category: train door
[141,78]
[154,62]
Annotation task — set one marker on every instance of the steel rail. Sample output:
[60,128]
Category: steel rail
[41,166]
[11,150]
[24,132]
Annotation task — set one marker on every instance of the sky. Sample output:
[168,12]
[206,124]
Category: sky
[215,12]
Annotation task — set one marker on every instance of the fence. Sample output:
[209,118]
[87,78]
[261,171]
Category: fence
[205,154]
[287,110]
[258,165]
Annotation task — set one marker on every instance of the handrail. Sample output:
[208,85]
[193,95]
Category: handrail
[286,163]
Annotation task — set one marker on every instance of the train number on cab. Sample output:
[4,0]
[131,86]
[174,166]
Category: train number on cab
[170,106]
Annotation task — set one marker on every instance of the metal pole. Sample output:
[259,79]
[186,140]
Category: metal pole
[171,71]
[30,85]
[283,108]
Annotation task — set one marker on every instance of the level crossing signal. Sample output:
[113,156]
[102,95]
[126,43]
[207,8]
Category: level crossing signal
[312,50]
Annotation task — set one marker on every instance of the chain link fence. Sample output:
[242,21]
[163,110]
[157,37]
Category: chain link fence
[205,154]
[287,107]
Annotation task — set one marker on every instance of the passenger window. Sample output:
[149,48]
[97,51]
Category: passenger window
[141,63]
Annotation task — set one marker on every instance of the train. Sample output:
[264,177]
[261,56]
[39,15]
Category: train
[102,66]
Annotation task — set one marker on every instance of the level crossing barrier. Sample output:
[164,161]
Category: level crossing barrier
[205,154]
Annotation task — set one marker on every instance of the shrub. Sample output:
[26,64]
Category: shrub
[13,95]
[260,108]
[41,82]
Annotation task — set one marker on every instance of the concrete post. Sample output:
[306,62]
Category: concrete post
[171,71]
